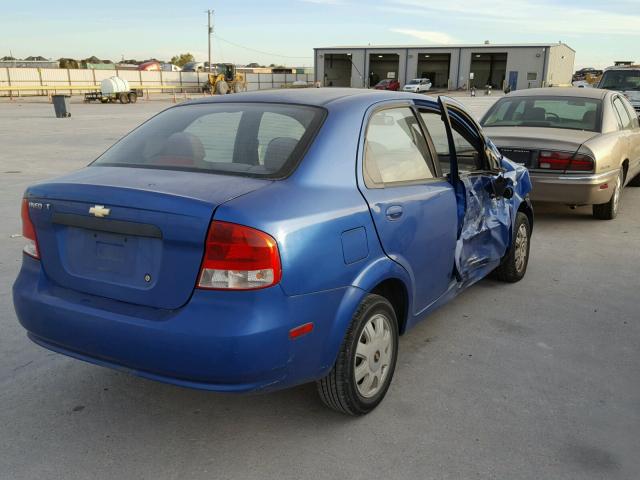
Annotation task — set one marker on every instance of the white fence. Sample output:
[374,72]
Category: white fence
[24,78]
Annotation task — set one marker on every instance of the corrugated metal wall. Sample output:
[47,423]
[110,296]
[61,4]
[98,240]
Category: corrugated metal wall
[49,77]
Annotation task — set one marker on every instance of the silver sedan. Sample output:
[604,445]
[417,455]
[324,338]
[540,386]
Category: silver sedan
[581,145]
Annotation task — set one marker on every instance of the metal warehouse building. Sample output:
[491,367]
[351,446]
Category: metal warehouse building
[448,67]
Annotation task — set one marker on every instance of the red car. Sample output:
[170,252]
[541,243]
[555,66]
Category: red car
[388,84]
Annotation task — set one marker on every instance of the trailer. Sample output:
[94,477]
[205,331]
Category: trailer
[114,89]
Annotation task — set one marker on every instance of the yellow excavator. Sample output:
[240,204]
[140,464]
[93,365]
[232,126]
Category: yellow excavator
[225,79]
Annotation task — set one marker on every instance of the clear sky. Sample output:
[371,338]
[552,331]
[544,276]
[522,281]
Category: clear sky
[601,31]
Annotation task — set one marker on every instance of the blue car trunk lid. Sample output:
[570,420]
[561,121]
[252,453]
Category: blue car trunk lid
[133,235]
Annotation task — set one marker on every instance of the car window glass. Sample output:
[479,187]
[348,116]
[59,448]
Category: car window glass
[621,80]
[622,113]
[395,149]
[277,126]
[571,113]
[468,154]
[258,139]
[632,113]
[217,134]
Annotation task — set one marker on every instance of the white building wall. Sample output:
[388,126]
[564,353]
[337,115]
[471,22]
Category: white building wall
[523,60]
[560,65]
[535,66]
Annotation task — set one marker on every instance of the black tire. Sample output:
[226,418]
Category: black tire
[513,267]
[123,97]
[133,97]
[635,181]
[339,389]
[222,87]
[609,210]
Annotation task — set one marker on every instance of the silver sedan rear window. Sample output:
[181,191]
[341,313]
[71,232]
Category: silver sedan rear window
[571,113]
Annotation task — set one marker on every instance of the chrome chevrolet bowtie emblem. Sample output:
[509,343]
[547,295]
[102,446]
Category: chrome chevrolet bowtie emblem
[99,211]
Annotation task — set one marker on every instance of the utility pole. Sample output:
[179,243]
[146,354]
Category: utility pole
[209,34]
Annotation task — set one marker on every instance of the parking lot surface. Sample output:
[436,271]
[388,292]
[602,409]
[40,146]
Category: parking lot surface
[535,380]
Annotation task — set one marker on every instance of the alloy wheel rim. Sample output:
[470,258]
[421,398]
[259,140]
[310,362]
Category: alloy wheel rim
[522,241]
[373,356]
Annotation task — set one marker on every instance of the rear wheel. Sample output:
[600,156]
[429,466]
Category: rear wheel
[609,210]
[635,181]
[123,97]
[364,368]
[133,97]
[514,264]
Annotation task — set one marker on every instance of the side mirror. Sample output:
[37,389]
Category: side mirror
[501,187]
[508,193]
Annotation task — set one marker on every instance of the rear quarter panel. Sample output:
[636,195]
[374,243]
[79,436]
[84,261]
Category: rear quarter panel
[609,150]
[313,213]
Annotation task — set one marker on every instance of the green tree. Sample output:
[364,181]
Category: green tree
[182,59]
[68,63]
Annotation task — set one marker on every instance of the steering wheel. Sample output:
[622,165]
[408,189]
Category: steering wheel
[547,114]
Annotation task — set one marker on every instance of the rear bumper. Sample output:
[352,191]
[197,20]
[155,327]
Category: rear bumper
[574,189]
[220,341]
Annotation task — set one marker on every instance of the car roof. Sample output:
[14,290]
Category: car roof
[320,97]
[596,93]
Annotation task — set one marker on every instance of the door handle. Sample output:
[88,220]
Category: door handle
[394,212]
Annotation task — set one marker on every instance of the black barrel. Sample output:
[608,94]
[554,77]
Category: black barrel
[61,105]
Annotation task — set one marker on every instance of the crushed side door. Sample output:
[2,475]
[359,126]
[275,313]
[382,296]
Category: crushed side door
[485,206]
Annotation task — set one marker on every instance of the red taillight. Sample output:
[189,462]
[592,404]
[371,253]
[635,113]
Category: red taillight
[29,232]
[565,161]
[239,258]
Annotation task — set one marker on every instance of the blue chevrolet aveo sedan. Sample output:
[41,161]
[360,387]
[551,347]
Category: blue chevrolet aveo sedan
[257,241]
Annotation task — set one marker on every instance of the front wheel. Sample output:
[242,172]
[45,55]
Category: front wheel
[514,264]
[222,87]
[361,376]
[609,210]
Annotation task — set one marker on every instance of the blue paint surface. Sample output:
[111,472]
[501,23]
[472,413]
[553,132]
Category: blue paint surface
[337,241]
[354,245]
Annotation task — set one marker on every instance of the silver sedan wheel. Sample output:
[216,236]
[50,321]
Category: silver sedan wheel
[373,355]
[521,248]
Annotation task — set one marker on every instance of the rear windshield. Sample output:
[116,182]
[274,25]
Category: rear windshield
[258,139]
[572,113]
[621,80]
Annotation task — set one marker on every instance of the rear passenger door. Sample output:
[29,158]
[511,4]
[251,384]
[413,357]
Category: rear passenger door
[413,208]
[628,125]
[472,167]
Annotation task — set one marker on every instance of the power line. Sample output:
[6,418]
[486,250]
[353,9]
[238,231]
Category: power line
[255,50]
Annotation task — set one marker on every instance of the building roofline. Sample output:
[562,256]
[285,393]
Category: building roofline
[413,47]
